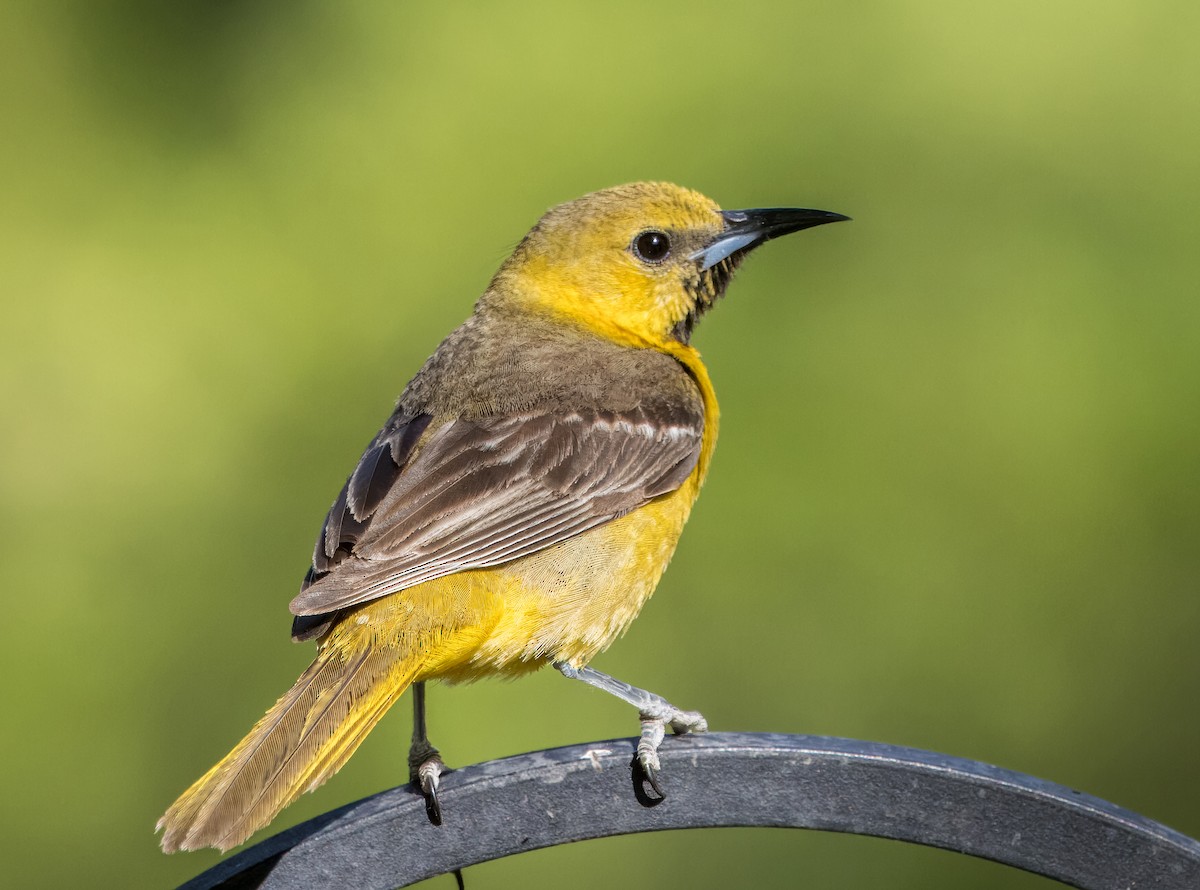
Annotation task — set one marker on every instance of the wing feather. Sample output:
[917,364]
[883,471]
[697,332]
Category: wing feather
[478,493]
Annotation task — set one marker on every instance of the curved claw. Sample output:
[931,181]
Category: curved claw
[650,774]
[425,768]
[647,752]
[428,778]
[654,726]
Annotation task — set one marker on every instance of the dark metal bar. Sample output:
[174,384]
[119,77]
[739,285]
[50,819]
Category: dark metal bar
[721,780]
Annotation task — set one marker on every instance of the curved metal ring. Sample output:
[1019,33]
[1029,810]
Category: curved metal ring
[578,792]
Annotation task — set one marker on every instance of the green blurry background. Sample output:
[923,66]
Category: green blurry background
[956,503]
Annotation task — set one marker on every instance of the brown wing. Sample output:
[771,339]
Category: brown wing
[480,493]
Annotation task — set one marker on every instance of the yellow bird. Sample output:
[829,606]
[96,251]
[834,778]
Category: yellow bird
[519,506]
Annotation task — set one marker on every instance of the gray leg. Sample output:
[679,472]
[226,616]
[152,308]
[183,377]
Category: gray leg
[656,714]
[425,766]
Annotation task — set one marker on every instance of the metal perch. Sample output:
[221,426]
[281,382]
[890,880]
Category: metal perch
[586,791]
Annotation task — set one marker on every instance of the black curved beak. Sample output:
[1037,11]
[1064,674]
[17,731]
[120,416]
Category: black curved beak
[746,229]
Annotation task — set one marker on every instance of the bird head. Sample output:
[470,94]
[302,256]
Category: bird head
[639,263]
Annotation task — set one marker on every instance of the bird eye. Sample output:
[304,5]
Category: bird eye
[651,247]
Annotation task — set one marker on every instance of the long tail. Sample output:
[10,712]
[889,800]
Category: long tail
[303,740]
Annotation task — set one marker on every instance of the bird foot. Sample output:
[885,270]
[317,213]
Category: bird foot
[425,769]
[654,728]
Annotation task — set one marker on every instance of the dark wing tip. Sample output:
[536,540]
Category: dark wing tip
[308,627]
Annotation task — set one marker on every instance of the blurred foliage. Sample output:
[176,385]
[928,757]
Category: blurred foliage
[956,503]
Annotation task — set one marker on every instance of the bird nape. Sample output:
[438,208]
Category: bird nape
[518,507]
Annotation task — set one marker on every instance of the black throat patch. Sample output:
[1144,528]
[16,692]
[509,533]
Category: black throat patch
[704,289]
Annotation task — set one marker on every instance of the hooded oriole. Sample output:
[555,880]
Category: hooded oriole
[521,503]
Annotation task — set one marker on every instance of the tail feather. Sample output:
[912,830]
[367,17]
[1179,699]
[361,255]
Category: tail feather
[304,739]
